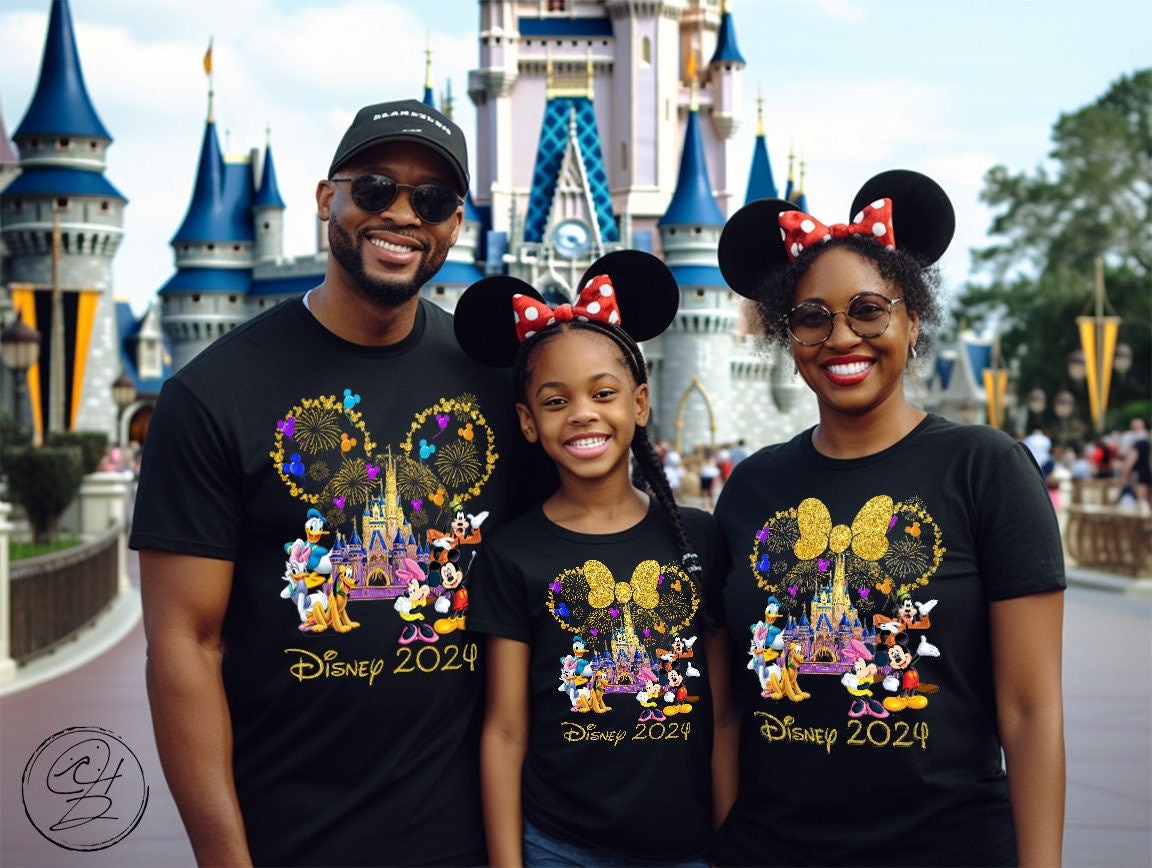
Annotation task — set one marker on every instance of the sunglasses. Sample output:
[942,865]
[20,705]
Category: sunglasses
[431,202]
[868,315]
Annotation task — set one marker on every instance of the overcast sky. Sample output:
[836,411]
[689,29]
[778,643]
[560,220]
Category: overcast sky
[947,88]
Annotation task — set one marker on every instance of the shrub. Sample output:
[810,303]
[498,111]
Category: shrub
[92,446]
[44,480]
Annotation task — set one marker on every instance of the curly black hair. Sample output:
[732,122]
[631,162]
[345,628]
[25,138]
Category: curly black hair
[918,284]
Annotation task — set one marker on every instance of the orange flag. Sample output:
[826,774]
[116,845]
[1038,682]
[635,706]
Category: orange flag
[208,59]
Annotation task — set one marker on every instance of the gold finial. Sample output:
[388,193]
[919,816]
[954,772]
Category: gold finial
[446,99]
[760,109]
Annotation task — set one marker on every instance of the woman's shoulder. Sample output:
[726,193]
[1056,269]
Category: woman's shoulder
[938,433]
[771,454]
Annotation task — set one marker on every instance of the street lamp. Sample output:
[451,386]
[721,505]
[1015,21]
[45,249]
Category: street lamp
[1077,366]
[20,347]
[1063,405]
[124,394]
[1036,402]
[1122,361]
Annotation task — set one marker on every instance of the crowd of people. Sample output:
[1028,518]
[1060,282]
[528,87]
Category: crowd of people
[1120,456]
[420,589]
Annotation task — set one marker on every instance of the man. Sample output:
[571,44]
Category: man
[291,476]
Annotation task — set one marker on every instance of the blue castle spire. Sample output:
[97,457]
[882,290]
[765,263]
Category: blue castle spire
[726,49]
[268,196]
[761,184]
[60,113]
[61,106]
[693,202]
[221,198]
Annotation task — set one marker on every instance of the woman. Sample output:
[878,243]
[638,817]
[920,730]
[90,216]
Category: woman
[902,574]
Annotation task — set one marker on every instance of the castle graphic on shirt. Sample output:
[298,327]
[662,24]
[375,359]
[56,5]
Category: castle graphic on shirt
[378,524]
[630,638]
[846,600]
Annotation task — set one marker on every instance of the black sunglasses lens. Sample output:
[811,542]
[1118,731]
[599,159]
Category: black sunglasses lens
[373,193]
[434,204]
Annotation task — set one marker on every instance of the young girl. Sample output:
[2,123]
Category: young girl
[602,674]
[903,572]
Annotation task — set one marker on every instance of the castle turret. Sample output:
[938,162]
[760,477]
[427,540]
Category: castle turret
[694,387]
[726,74]
[268,212]
[215,252]
[62,223]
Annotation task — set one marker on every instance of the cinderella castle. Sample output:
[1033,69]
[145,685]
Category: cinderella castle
[600,125]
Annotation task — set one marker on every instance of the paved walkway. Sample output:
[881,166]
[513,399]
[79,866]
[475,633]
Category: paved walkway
[98,680]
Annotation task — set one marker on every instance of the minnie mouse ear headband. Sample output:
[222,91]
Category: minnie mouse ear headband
[629,289]
[899,208]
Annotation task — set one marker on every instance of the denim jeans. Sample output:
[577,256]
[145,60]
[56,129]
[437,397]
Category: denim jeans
[543,851]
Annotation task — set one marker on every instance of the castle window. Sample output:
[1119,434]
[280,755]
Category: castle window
[235,248]
[232,299]
[195,298]
[61,203]
[63,144]
[557,5]
[17,205]
[700,293]
[646,51]
[210,247]
[266,226]
[439,291]
[93,145]
[105,206]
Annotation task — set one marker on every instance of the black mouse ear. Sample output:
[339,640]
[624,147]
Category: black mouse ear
[923,220]
[751,245]
[646,292]
[485,323]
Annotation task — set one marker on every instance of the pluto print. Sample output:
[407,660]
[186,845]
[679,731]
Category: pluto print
[847,602]
[382,525]
[630,640]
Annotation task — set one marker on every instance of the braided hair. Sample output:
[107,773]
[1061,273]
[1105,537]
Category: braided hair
[646,464]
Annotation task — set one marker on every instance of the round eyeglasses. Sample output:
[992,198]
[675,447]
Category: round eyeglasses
[431,202]
[868,315]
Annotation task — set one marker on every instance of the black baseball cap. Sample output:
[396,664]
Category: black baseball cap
[406,120]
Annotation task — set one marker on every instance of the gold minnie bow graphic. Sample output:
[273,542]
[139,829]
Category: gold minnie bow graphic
[868,535]
[603,589]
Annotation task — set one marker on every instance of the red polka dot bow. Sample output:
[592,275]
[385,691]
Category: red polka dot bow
[800,230]
[597,303]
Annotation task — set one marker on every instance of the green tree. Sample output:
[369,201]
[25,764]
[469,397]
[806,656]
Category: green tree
[1093,200]
[44,480]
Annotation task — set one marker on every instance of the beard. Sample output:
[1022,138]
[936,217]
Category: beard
[385,292]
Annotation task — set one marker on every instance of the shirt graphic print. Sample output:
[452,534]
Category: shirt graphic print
[846,608]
